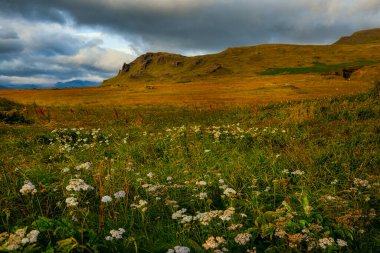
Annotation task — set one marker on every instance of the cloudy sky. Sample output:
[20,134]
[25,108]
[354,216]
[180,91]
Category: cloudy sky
[45,41]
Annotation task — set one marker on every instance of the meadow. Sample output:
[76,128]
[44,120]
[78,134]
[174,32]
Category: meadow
[291,176]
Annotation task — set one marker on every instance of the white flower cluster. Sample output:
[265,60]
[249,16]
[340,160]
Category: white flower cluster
[298,172]
[115,234]
[229,192]
[325,242]
[179,249]
[362,182]
[106,199]
[204,218]
[141,205]
[85,166]
[243,238]
[119,194]
[28,187]
[72,201]
[214,242]
[18,239]
[78,185]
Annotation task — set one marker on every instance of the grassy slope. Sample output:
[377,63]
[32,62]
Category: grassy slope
[245,62]
[370,36]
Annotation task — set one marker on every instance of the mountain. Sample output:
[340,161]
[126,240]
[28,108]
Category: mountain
[3,87]
[250,62]
[75,83]
[369,36]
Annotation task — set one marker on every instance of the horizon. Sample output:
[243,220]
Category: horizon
[47,42]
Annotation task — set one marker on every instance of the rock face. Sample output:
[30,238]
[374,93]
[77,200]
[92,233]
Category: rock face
[126,67]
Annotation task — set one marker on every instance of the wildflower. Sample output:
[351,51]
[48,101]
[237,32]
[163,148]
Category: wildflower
[325,242]
[28,187]
[234,226]
[77,185]
[334,182]
[150,174]
[178,214]
[362,182]
[186,219]
[221,181]
[71,201]
[202,195]
[243,238]
[169,178]
[201,183]
[179,249]
[86,166]
[298,172]
[31,237]
[115,234]
[229,192]
[341,243]
[106,199]
[119,194]
[66,169]
[213,242]
[141,205]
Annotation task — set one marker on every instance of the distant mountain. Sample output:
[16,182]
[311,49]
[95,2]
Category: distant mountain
[20,86]
[3,87]
[75,83]
[58,85]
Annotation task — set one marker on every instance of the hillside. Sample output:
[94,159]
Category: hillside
[347,55]
[369,36]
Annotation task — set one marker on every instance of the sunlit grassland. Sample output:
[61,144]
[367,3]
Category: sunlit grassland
[279,177]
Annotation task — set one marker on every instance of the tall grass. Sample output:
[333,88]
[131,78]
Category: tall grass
[290,177]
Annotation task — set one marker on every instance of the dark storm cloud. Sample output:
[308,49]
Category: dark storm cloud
[211,25]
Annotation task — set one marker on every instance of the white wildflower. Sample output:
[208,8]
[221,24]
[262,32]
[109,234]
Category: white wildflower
[77,185]
[341,243]
[186,219]
[71,201]
[325,242]
[106,199]
[243,238]
[179,213]
[28,187]
[115,234]
[119,194]
[213,242]
[201,183]
[229,192]
[86,166]
[141,205]
[202,195]
[298,172]
[150,174]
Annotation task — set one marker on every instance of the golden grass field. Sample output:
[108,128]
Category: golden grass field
[213,92]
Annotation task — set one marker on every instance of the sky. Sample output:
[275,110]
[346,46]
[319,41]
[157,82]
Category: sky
[46,41]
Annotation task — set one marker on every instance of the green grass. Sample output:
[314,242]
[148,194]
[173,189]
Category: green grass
[320,68]
[294,173]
